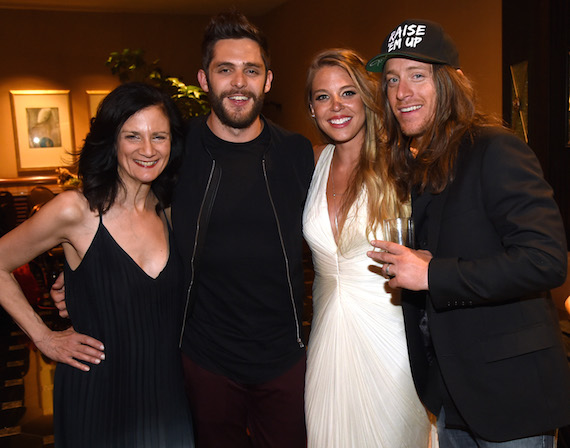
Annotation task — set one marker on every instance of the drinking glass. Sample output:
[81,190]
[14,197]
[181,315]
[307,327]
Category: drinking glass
[399,230]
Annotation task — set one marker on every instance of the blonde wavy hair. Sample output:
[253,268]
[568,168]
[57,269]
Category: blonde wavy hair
[371,171]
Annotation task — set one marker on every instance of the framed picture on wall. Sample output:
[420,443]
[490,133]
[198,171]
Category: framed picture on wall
[42,129]
[94,98]
[519,99]
[568,95]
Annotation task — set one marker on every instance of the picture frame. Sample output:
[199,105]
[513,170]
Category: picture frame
[42,128]
[94,98]
[568,96]
[519,99]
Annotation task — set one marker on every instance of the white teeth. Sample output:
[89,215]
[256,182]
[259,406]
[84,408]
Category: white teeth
[340,120]
[239,98]
[143,163]
[410,109]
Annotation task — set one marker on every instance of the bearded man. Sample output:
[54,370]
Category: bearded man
[237,215]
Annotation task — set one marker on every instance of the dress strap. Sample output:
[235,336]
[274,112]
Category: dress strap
[168,217]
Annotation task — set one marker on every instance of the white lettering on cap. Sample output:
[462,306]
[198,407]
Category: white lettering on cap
[411,32]
[394,44]
[411,42]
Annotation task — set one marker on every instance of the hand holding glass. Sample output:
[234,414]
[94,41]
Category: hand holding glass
[399,230]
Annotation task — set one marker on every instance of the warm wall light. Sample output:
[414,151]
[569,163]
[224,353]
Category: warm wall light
[94,98]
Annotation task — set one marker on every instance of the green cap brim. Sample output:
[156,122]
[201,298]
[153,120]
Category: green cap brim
[376,64]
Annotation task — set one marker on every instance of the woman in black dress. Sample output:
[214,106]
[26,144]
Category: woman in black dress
[121,386]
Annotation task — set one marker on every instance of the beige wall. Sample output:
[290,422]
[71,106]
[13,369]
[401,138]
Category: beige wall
[67,51]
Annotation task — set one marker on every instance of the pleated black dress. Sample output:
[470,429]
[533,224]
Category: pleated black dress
[135,397]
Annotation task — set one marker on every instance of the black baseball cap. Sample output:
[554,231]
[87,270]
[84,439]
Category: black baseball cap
[420,40]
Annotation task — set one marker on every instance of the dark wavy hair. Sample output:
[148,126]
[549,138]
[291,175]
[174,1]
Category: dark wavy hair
[231,25]
[98,165]
[457,116]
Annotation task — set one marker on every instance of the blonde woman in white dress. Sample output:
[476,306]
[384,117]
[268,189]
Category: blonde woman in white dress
[359,389]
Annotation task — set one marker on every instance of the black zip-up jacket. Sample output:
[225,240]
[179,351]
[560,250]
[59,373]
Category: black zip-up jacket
[287,166]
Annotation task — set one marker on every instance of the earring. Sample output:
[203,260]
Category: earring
[312,115]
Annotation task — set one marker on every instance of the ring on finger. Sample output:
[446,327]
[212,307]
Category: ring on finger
[388,270]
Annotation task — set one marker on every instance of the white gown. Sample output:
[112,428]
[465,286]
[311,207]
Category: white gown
[359,389]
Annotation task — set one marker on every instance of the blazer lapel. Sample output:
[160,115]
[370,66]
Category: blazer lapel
[427,208]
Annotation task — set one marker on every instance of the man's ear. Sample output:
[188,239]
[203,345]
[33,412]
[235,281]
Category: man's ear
[460,71]
[268,81]
[203,80]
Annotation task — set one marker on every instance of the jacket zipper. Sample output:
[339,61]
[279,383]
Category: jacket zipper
[289,282]
[291,295]
[194,252]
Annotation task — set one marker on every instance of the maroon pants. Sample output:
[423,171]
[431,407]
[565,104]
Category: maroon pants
[234,415]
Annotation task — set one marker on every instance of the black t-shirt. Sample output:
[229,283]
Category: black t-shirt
[241,322]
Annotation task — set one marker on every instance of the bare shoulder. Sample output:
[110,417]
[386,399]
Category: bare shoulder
[65,219]
[317,151]
[67,211]
[71,206]
[74,222]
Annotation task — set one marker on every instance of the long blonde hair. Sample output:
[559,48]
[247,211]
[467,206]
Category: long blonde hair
[371,170]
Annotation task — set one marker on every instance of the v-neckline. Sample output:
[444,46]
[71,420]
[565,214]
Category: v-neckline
[351,210]
[133,260]
[328,168]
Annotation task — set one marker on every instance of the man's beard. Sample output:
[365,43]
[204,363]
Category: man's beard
[240,119]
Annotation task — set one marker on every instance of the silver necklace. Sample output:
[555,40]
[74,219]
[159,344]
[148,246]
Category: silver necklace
[332,179]
[334,197]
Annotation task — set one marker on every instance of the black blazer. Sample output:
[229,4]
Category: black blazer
[498,244]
